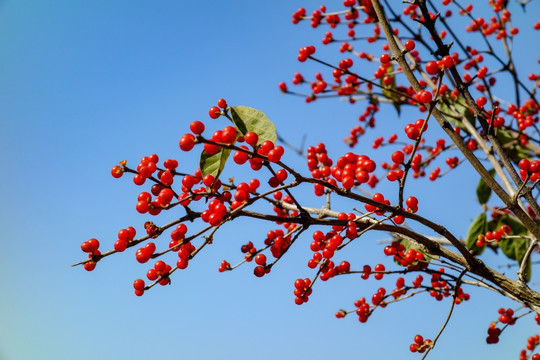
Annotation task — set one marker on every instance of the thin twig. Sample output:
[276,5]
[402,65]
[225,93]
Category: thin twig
[454,296]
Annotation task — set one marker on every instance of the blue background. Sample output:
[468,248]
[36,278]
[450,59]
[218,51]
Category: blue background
[85,84]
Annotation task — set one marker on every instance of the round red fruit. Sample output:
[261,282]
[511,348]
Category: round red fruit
[187,142]
[260,259]
[214,112]
[222,103]
[398,157]
[251,138]
[117,171]
[196,127]
[432,68]
[138,284]
[410,45]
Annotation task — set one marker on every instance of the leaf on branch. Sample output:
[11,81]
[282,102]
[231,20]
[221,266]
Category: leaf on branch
[528,271]
[409,244]
[515,151]
[483,191]
[245,119]
[454,110]
[515,249]
[214,164]
[478,227]
[249,119]
[389,91]
[515,225]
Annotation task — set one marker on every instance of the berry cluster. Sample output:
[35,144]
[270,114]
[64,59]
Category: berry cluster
[411,258]
[91,247]
[493,236]
[506,316]
[125,236]
[420,345]
[302,290]
[529,170]
[532,343]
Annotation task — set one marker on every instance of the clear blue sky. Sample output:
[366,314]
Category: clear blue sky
[85,84]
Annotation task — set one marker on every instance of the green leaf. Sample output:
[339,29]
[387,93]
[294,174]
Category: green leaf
[249,119]
[528,271]
[245,119]
[214,164]
[515,225]
[514,248]
[483,191]
[478,227]
[414,245]
[460,107]
[511,143]
[387,90]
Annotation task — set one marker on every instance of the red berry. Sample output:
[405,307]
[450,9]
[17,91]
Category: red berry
[398,219]
[447,61]
[275,154]
[214,112]
[259,271]
[347,182]
[412,202]
[241,157]
[209,180]
[142,206]
[160,265]
[251,138]
[410,45]
[211,149]
[260,259]
[398,157]
[412,132]
[535,166]
[222,103]
[229,135]
[89,266]
[120,245]
[481,101]
[300,284]
[90,246]
[152,275]
[432,68]
[421,123]
[117,171]
[138,284]
[266,146]
[187,142]
[385,58]
[424,96]
[281,175]
[196,127]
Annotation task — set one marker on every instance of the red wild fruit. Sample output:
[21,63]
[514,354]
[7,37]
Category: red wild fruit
[410,45]
[251,138]
[432,68]
[187,142]
[222,103]
[214,112]
[196,127]
[424,96]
